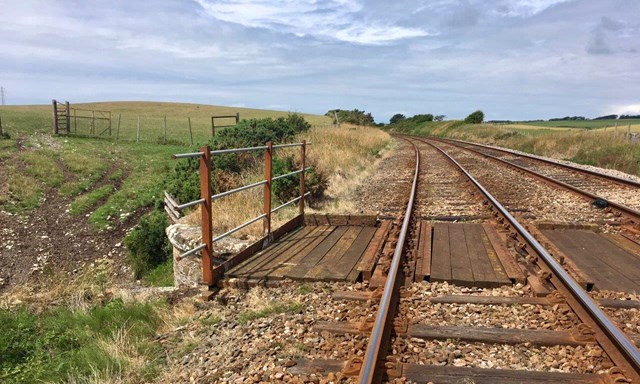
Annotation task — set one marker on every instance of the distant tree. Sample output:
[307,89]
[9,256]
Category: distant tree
[397,117]
[354,117]
[422,118]
[607,117]
[629,117]
[569,118]
[439,117]
[476,117]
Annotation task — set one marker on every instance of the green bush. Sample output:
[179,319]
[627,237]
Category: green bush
[147,244]
[288,188]
[476,117]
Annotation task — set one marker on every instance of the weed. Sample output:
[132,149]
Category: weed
[148,246]
[305,289]
[211,321]
[161,275]
[84,203]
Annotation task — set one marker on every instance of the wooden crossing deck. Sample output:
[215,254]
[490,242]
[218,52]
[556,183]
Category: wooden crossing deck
[611,261]
[330,251]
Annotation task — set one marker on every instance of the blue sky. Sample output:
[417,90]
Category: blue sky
[514,59]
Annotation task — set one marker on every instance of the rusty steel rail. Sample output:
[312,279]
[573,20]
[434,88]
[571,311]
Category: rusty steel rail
[205,156]
[370,371]
[615,343]
[632,213]
[552,162]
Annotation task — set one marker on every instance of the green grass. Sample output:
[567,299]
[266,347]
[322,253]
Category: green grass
[59,344]
[588,124]
[83,203]
[42,166]
[24,191]
[36,118]
[160,276]
[271,309]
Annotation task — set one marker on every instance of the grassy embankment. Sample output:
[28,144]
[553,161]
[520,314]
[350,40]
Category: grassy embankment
[598,146]
[74,332]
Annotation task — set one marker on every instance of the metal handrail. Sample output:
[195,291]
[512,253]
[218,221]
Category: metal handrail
[239,189]
[291,173]
[234,150]
[191,251]
[239,227]
[189,204]
[290,145]
[288,203]
[187,155]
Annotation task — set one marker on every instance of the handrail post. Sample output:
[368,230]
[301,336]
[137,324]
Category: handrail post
[268,174]
[205,213]
[303,148]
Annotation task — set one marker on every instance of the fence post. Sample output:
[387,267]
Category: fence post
[190,132]
[110,124]
[93,122]
[267,187]
[55,116]
[213,127]
[205,214]
[303,149]
[118,129]
[165,130]
[237,117]
[1,132]
[75,120]
[68,113]
[138,131]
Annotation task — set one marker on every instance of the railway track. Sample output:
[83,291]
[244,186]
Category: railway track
[397,333]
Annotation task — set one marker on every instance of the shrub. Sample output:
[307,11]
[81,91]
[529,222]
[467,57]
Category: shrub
[397,117]
[147,244]
[288,188]
[476,117]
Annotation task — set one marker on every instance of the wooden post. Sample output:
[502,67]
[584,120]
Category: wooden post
[75,120]
[213,127]
[68,114]
[237,117]
[109,123]
[303,149]
[190,131]
[267,187]
[138,131]
[165,130]
[1,131]
[118,129]
[55,116]
[93,122]
[205,214]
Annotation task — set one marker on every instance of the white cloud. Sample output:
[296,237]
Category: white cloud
[527,7]
[337,19]
[631,109]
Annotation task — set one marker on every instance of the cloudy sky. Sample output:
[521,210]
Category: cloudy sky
[514,59]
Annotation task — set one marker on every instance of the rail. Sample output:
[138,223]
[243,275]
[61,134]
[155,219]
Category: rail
[629,352]
[206,197]
[369,372]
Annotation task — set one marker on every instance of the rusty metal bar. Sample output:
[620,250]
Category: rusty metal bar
[369,372]
[268,175]
[303,150]
[289,203]
[205,209]
[239,227]
[239,189]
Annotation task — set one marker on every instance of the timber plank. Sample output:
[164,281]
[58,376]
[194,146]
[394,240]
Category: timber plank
[456,375]
[368,261]
[441,257]
[323,232]
[287,254]
[624,243]
[509,264]
[321,270]
[298,271]
[489,300]
[497,335]
[266,254]
[342,269]
[483,274]
[423,266]
[461,272]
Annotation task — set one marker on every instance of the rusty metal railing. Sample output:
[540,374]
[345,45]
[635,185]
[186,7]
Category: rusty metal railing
[206,198]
